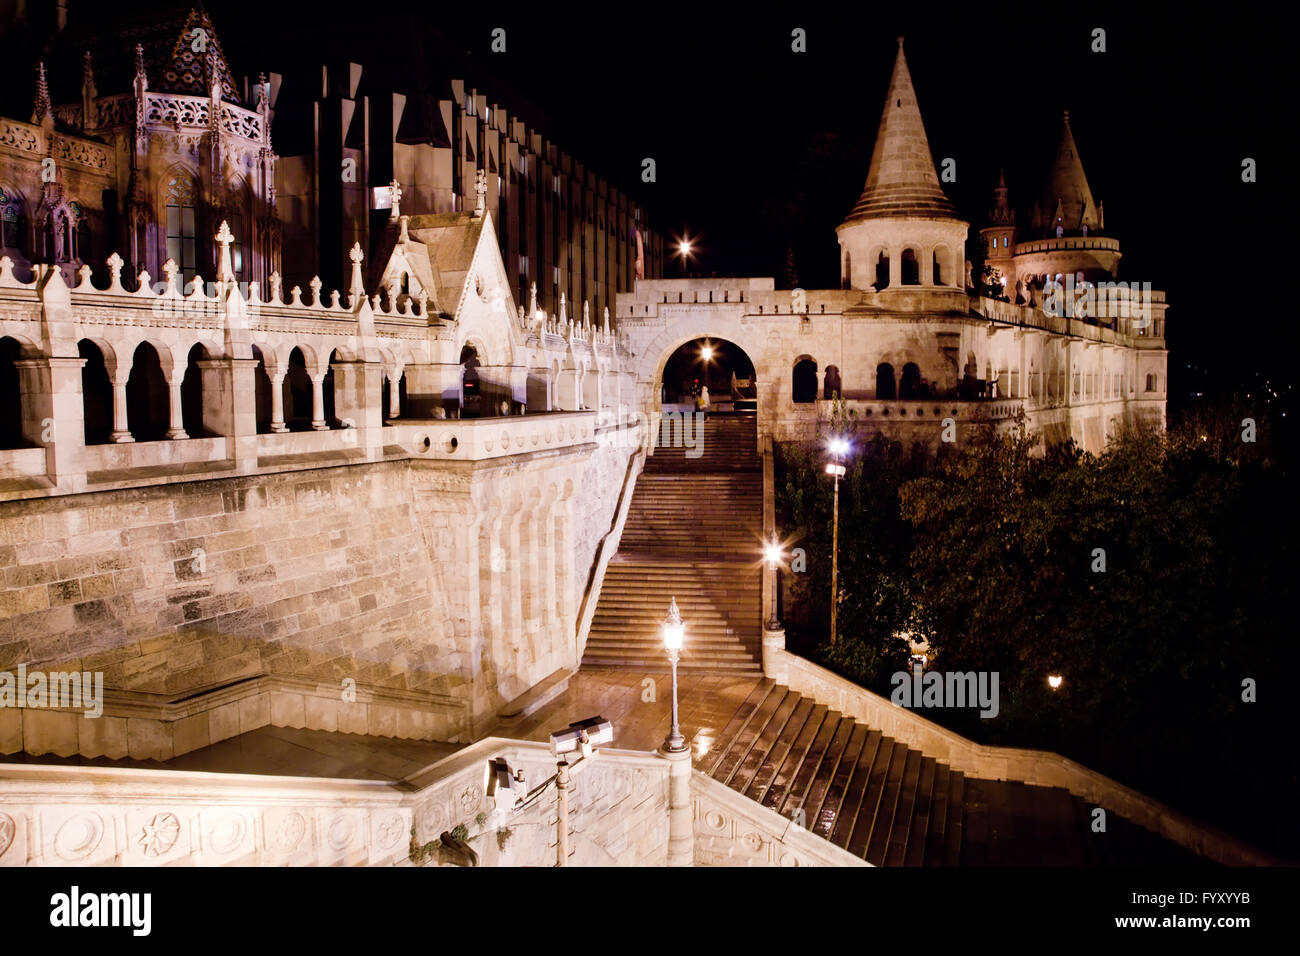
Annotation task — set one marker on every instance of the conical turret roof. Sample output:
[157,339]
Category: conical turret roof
[1067,200]
[902,182]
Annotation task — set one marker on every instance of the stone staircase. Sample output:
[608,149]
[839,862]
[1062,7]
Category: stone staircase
[893,806]
[694,533]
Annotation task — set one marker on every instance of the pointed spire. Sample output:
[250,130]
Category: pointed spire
[1067,195]
[139,63]
[41,109]
[1001,214]
[902,182]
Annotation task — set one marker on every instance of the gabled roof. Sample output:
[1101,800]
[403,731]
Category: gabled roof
[902,182]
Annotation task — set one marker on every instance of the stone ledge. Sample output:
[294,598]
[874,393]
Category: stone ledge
[152,727]
[536,697]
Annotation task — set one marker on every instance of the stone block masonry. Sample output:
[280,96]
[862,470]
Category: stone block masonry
[399,598]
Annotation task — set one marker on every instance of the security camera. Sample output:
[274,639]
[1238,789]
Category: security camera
[502,783]
[582,735]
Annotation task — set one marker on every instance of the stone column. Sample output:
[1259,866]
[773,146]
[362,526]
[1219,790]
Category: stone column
[821,382]
[53,416]
[681,823]
[121,430]
[318,422]
[176,422]
[394,394]
[277,402]
[895,268]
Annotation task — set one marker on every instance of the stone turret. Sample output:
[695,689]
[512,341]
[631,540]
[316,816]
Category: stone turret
[903,231]
[999,236]
[1068,225]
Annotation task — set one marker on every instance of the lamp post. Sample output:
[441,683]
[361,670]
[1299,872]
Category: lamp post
[772,553]
[839,448]
[673,631]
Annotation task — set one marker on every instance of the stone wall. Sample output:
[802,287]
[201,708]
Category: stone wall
[440,589]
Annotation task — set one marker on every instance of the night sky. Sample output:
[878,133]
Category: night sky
[760,150]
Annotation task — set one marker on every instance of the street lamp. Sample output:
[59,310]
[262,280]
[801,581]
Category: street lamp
[684,249]
[673,632]
[772,554]
[839,448]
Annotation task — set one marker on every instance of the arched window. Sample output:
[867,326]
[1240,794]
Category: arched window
[13,224]
[261,393]
[182,225]
[885,391]
[936,269]
[1151,382]
[297,393]
[911,268]
[147,396]
[11,405]
[910,384]
[803,382]
[192,393]
[832,387]
[882,272]
[96,394]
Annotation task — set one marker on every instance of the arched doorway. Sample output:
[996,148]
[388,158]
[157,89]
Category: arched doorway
[719,365]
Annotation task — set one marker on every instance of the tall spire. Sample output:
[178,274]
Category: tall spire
[1067,201]
[41,109]
[1001,213]
[902,182]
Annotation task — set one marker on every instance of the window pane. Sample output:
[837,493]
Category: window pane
[187,221]
[174,250]
[173,220]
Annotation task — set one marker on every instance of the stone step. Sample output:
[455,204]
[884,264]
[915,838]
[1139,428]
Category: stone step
[892,805]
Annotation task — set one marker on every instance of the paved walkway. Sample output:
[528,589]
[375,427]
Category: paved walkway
[706,703]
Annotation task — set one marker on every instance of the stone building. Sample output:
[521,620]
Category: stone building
[229,498]
[560,226]
[160,146]
[909,342]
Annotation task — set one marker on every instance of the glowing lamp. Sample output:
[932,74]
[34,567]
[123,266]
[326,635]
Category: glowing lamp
[1054,681]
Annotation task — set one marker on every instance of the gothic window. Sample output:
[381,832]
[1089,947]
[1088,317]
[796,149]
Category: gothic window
[12,221]
[182,226]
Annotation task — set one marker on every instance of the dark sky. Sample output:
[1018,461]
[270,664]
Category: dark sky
[759,148]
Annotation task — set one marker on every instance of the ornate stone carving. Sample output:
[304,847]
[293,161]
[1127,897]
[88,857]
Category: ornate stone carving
[8,829]
[227,834]
[160,834]
[78,837]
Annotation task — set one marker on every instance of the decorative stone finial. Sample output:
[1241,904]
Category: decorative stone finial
[405,236]
[277,286]
[532,299]
[564,311]
[315,285]
[42,109]
[586,313]
[358,286]
[225,238]
[395,194]
[169,270]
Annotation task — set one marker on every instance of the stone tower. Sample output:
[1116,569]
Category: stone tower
[1068,226]
[999,236]
[903,231]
